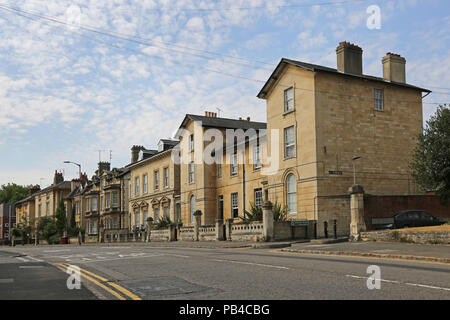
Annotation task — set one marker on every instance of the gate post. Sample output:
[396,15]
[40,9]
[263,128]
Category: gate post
[219,230]
[268,221]
[357,224]
[197,223]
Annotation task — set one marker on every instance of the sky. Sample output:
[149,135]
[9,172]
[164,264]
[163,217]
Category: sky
[81,76]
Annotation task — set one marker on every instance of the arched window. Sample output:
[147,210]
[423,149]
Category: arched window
[291,192]
[192,207]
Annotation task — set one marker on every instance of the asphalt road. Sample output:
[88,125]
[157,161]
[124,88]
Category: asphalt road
[139,272]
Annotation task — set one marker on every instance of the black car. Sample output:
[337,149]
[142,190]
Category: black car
[415,218]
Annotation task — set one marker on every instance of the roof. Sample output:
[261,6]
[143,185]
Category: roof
[29,198]
[226,123]
[153,157]
[317,68]
[61,185]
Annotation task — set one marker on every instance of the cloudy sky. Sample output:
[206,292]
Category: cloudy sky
[87,75]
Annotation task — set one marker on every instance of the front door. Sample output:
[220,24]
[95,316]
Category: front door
[221,207]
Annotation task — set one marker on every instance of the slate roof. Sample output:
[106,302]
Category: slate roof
[226,123]
[317,68]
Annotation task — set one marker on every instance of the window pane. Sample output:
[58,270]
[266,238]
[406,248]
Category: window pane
[291,191]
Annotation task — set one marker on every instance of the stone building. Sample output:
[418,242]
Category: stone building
[154,184]
[227,185]
[25,208]
[330,121]
[46,201]
[7,221]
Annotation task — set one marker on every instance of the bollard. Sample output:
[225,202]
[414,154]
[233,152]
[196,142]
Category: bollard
[325,228]
[335,228]
[315,229]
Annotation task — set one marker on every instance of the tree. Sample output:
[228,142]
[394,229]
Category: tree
[430,166]
[47,228]
[61,218]
[12,192]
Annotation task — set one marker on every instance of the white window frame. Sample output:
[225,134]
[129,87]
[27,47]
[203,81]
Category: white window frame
[166,177]
[378,96]
[233,164]
[156,179]
[291,195]
[258,197]
[136,186]
[145,182]
[289,99]
[191,172]
[257,164]
[289,144]
[219,170]
[191,143]
[94,207]
[235,205]
[115,199]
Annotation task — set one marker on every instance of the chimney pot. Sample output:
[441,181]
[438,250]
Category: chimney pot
[248,118]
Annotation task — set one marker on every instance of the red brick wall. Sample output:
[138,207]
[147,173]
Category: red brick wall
[387,206]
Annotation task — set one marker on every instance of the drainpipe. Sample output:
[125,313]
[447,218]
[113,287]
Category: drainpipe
[243,180]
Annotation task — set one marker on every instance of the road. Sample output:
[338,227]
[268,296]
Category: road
[131,272]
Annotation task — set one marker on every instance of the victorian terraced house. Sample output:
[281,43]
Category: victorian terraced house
[154,185]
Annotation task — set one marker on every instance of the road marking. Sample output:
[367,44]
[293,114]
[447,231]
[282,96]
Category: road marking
[175,255]
[101,285]
[252,263]
[405,283]
[6,280]
[427,286]
[38,260]
[30,267]
[125,291]
[59,250]
[115,285]
[23,259]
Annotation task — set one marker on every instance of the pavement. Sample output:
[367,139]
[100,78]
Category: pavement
[340,246]
[138,271]
[387,250]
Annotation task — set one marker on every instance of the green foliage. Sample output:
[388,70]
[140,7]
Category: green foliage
[61,218]
[12,192]
[255,214]
[430,166]
[279,214]
[47,228]
[163,223]
[72,222]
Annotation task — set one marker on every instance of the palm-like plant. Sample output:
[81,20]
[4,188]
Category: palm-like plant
[255,214]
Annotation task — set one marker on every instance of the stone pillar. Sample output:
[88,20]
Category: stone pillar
[219,230]
[357,224]
[228,224]
[268,221]
[149,224]
[197,224]
[172,231]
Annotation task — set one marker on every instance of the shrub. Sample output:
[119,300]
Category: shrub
[163,223]
[255,214]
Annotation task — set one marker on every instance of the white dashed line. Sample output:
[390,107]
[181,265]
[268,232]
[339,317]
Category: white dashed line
[254,264]
[406,283]
[6,280]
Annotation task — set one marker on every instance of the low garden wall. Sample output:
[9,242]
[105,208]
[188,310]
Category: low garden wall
[246,232]
[160,235]
[207,233]
[421,237]
[186,233]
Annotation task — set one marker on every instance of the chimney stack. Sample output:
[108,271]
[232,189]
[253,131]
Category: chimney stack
[135,153]
[248,118]
[103,166]
[210,114]
[349,58]
[394,67]
[58,178]
[34,189]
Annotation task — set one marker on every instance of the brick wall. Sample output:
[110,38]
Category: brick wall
[387,206]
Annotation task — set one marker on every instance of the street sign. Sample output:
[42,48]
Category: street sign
[295,223]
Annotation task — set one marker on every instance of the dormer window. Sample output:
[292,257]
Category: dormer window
[160,146]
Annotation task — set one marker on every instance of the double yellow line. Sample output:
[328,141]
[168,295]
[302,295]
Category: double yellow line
[120,292]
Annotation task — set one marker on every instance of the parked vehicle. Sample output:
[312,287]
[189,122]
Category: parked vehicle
[410,219]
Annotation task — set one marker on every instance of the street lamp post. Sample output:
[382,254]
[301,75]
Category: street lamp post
[354,158]
[79,167]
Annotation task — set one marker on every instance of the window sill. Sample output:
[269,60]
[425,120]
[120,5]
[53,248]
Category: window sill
[288,112]
[287,158]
